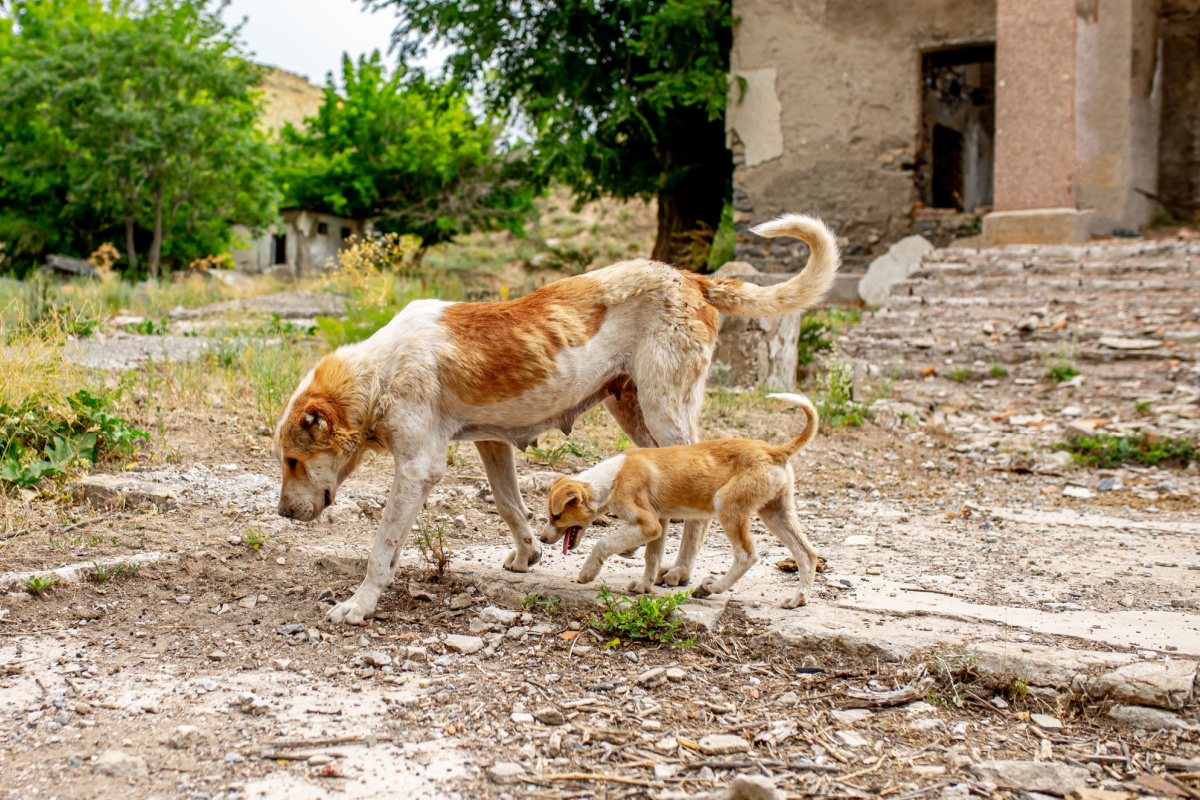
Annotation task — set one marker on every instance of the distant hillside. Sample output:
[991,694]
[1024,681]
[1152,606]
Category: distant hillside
[288,98]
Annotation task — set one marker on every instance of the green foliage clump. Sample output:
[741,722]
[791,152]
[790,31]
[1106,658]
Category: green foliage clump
[38,584]
[819,328]
[645,617]
[406,153]
[835,397]
[1061,371]
[623,99]
[36,442]
[998,370]
[537,600]
[1106,450]
[959,374]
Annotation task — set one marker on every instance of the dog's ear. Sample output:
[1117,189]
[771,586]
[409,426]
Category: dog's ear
[315,422]
[562,497]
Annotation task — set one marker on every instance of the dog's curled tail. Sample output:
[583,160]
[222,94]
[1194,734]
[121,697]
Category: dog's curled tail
[786,451]
[806,289]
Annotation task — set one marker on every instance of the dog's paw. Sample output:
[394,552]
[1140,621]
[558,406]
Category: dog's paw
[643,586]
[588,572]
[351,612]
[675,576]
[797,601]
[518,561]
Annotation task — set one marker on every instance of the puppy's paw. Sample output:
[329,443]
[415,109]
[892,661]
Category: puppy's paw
[675,576]
[588,572]
[643,586]
[707,587]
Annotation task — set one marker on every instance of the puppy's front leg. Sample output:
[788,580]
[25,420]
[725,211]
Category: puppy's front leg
[654,553]
[633,534]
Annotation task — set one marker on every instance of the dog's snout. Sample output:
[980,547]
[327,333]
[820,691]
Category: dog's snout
[285,512]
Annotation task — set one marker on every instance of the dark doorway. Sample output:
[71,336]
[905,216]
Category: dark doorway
[958,131]
[1179,137]
[280,243]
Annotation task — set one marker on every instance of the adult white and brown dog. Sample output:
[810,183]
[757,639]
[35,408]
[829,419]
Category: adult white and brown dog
[729,479]
[637,336]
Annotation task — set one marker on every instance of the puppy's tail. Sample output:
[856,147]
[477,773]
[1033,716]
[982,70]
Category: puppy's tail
[806,289]
[784,452]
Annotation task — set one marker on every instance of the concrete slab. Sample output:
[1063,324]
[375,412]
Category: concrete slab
[1036,226]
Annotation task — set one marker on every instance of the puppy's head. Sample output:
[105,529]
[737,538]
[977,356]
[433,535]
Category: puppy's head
[320,438]
[571,511]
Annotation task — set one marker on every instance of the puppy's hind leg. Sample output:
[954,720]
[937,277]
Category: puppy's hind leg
[781,519]
[654,553]
[736,524]
[501,470]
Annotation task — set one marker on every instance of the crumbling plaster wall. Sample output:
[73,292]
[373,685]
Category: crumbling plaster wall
[825,112]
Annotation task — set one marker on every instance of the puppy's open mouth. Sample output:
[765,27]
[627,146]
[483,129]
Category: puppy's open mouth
[570,539]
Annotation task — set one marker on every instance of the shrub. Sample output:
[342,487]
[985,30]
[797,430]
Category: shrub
[835,397]
[646,617]
[1105,450]
[1061,371]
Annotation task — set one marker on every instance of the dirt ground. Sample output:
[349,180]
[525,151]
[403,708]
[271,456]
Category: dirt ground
[207,670]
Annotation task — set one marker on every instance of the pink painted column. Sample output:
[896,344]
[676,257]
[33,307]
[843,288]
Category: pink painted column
[1035,104]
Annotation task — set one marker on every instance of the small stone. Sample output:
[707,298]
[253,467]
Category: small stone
[116,764]
[1110,485]
[1079,492]
[250,703]
[1165,684]
[1046,722]
[667,744]
[281,561]
[925,724]
[183,599]
[461,601]
[463,644]
[1032,776]
[850,716]
[506,772]
[664,771]
[651,678]
[1148,719]
[516,632]
[234,757]
[377,658]
[787,699]
[218,655]
[554,744]
[723,744]
[282,663]
[751,787]
[675,674]
[416,653]
[549,716]
[1127,601]
[460,522]
[521,717]
[185,736]
[498,616]
[852,739]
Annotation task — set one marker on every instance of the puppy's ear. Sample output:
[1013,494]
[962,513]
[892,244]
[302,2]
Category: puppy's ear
[562,497]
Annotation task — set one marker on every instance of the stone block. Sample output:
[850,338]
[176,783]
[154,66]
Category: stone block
[1164,684]
[1036,226]
[894,265]
[122,491]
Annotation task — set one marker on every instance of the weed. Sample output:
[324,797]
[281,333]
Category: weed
[1018,688]
[998,370]
[103,574]
[255,538]
[453,459]
[149,327]
[37,584]
[1142,407]
[552,455]
[835,397]
[818,330]
[548,602]
[433,545]
[1061,371]
[1106,450]
[273,372]
[645,617]
[959,374]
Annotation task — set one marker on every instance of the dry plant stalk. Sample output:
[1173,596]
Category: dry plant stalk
[369,268]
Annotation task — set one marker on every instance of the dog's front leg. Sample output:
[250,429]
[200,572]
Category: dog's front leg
[414,480]
[654,553]
[501,468]
[644,530]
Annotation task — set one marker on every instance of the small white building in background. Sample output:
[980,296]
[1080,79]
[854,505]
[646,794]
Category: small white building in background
[303,242]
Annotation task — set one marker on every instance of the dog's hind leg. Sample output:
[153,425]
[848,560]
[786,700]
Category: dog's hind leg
[501,468]
[736,523]
[781,519]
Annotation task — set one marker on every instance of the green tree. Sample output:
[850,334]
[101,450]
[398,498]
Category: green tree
[145,115]
[622,97]
[404,152]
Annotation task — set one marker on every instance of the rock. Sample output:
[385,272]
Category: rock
[1148,719]
[116,764]
[664,771]
[185,736]
[18,597]
[668,744]
[1164,684]
[248,602]
[750,787]
[1050,777]
[549,716]
[1118,343]
[250,703]
[852,740]
[1080,492]
[463,644]
[281,663]
[957,791]
[1046,722]
[651,678]
[787,699]
[894,265]
[460,523]
[506,772]
[521,717]
[723,745]
[377,658]
[461,601]
[675,674]
[123,491]
[234,757]
[925,724]
[218,655]
[1110,485]
[416,653]
[850,715]
[1127,601]
[498,616]
[516,632]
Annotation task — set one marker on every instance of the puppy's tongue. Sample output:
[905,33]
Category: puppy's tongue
[569,539]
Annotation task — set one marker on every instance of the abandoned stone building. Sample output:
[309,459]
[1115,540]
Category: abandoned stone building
[1054,120]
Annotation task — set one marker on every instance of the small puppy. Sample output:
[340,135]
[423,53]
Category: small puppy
[729,479]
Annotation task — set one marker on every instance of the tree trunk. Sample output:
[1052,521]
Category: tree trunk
[155,257]
[687,221]
[130,248]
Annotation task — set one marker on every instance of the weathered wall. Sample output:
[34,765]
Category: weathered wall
[831,115]
[1179,144]
[308,249]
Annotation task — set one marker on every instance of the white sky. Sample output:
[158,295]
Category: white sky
[308,37]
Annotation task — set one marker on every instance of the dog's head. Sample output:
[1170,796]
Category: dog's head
[320,438]
[571,511]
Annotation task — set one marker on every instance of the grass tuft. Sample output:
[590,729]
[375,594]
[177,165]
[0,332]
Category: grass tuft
[646,617]
[1106,450]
